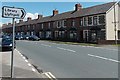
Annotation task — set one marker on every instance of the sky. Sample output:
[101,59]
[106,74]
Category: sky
[45,8]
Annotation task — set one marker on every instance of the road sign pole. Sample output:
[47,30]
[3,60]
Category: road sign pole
[14,13]
[12,55]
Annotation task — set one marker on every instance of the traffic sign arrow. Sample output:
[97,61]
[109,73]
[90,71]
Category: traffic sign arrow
[12,12]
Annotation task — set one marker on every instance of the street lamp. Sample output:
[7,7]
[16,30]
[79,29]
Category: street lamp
[115,24]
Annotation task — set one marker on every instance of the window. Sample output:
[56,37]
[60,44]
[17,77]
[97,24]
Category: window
[48,34]
[61,34]
[58,24]
[81,21]
[28,27]
[73,23]
[73,35]
[64,23]
[33,27]
[95,19]
[119,35]
[90,20]
[42,25]
[49,25]
[85,21]
[101,19]
[56,34]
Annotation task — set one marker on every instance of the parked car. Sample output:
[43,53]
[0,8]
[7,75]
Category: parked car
[26,37]
[19,37]
[34,38]
[6,43]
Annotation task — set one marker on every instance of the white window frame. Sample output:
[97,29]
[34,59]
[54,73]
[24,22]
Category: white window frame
[58,26]
[73,23]
[81,21]
[92,21]
[85,22]
[98,19]
[42,25]
[49,25]
[64,23]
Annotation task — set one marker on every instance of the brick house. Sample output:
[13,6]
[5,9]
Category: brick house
[92,24]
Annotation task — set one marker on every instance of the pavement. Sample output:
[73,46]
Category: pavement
[22,67]
[72,61]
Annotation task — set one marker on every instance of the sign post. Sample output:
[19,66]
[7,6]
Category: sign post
[12,12]
[13,42]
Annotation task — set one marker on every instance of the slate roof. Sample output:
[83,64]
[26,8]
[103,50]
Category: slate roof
[98,9]
[83,12]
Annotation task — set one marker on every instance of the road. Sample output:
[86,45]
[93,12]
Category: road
[71,61]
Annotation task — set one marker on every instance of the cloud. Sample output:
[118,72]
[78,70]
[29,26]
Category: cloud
[1,24]
[33,16]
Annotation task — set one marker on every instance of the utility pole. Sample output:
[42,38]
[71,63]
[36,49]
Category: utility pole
[13,21]
[115,28]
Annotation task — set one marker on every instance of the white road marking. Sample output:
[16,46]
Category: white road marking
[23,57]
[29,64]
[50,75]
[45,45]
[47,75]
[66,49]
[33,69]
[26,60]
[99,48]
[104,58]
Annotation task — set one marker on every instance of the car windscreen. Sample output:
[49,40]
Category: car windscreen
[6,40]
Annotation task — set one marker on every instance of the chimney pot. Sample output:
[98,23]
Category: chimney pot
[40,16]
[20,21]
[55,12]
[9,23]
[29,18]
[78,7]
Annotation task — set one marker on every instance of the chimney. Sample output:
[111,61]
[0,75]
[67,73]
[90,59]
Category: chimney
[15,22]
[55,12]
[40,16]
[29,18]
[4,24]
[9,23]
[78,7]
[20,20]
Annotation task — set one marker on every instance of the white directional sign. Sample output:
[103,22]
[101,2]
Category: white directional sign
[12,12]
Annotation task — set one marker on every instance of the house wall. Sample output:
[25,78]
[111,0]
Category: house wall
[119,16]
[110,28]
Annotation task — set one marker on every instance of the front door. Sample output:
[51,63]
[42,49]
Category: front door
[85,35]
[81,36]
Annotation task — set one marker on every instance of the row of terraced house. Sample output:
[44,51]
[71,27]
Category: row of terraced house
[92,24]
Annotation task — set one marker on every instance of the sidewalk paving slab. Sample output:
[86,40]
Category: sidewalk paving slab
[22,69]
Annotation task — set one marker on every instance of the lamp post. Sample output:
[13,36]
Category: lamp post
[115,28]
